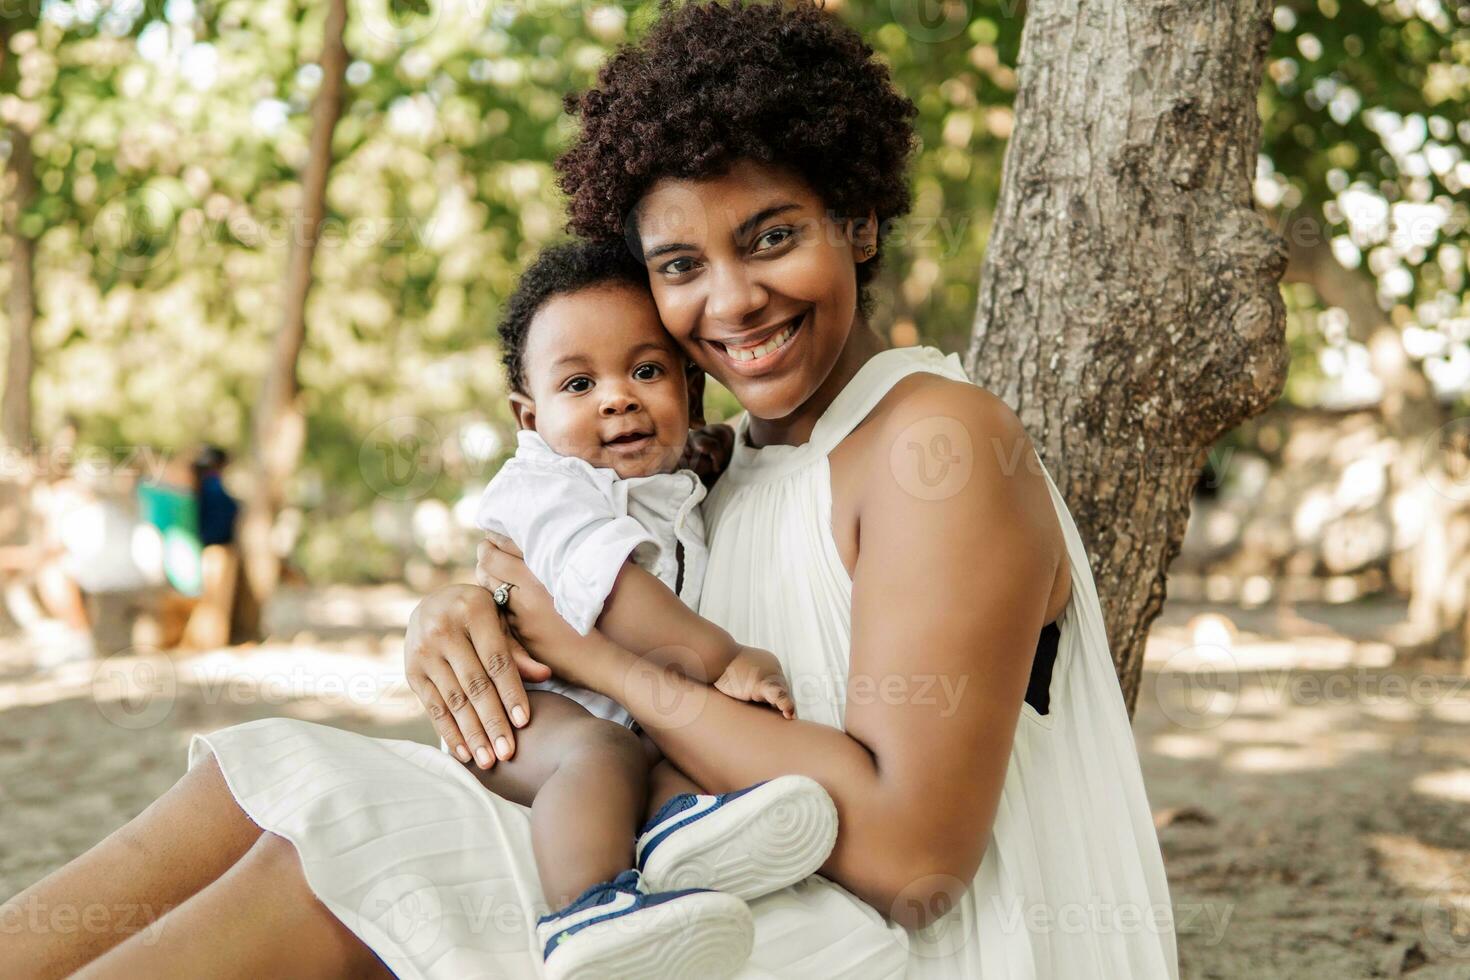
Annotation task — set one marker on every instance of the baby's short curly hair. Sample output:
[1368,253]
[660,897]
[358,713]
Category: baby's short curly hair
[560,270]
[713,83]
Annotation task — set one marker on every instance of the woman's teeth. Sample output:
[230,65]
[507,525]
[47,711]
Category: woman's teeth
[775,343]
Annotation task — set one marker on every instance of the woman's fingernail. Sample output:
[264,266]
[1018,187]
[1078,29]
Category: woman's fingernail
[482,756]
[462,752]
[518,715]
[502,747]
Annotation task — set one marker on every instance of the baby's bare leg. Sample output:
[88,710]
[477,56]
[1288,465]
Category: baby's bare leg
[665,780]
[586,781]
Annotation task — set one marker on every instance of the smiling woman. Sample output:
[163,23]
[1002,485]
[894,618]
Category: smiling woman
[884,528]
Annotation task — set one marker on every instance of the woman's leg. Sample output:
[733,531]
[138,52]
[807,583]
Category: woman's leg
[259,919]
[184,840]
[586,781]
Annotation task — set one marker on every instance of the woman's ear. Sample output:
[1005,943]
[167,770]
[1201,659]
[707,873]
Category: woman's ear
[694,376]
[524,410]
[863,234]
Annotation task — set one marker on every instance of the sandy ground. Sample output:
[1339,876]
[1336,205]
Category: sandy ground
[1311,792]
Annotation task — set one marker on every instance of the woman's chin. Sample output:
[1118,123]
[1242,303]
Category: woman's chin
[772,401]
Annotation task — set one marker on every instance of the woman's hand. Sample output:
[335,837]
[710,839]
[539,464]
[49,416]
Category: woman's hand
[708,452]
[531,614]
[467,670]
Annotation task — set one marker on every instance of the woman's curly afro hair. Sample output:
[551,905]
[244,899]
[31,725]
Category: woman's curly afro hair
[712,83]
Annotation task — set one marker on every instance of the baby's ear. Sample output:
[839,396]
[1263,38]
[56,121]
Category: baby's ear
[524,410]
[694,374]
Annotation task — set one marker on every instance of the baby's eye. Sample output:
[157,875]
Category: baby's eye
[578,385]
[647,372]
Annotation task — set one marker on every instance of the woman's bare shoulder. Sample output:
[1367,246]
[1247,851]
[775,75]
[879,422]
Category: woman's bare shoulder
[935,441]
[946,415]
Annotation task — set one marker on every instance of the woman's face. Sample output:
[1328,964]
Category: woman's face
[754,280]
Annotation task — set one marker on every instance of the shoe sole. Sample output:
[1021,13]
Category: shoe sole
[762,842]
[703,935]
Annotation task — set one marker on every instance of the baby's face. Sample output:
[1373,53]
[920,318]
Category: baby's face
[605,382]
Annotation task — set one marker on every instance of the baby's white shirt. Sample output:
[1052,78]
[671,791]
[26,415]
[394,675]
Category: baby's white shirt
[577,523]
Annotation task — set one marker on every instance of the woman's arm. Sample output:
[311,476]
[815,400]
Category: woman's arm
[949,596]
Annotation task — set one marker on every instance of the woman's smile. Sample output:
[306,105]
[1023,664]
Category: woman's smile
[762,350]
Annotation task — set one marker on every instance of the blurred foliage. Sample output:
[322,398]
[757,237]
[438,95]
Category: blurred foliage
[168,137]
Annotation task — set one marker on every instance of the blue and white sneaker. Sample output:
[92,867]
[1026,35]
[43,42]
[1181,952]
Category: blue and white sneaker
[617,930]
[748,843]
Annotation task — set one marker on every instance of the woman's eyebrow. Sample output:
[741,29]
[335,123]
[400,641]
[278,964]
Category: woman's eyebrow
[764,214]
[746,226]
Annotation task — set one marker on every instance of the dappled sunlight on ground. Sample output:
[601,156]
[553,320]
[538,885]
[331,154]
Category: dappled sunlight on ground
[1311,788]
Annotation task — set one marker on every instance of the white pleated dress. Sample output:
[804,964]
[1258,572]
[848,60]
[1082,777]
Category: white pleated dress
[437,876]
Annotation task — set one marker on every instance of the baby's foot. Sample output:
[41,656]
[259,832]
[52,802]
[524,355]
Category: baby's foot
[749,843]
[616,929]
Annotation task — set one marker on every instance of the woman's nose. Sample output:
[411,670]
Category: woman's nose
[734,296]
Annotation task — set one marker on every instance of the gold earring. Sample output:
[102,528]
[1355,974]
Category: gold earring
[870,250]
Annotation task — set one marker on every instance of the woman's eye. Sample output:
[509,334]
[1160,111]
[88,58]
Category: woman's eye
[578,384]
[772,238]
[679,266]
[647,372]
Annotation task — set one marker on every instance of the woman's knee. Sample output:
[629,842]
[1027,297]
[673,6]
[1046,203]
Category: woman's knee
[273,867]
[204,791]
[275,858]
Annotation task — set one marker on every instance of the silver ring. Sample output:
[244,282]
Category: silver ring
[502,594]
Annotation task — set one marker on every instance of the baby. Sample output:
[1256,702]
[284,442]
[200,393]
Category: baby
[604,400]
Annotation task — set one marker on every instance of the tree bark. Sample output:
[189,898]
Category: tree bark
[20,301]
[16,426]
[279,426]
[1129,304]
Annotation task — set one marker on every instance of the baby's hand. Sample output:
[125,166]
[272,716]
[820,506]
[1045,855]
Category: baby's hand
[707,452]
[755,675]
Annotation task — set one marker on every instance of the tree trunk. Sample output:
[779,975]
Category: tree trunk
[279,424]
[20,301]
[1129,305]
[16,425]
